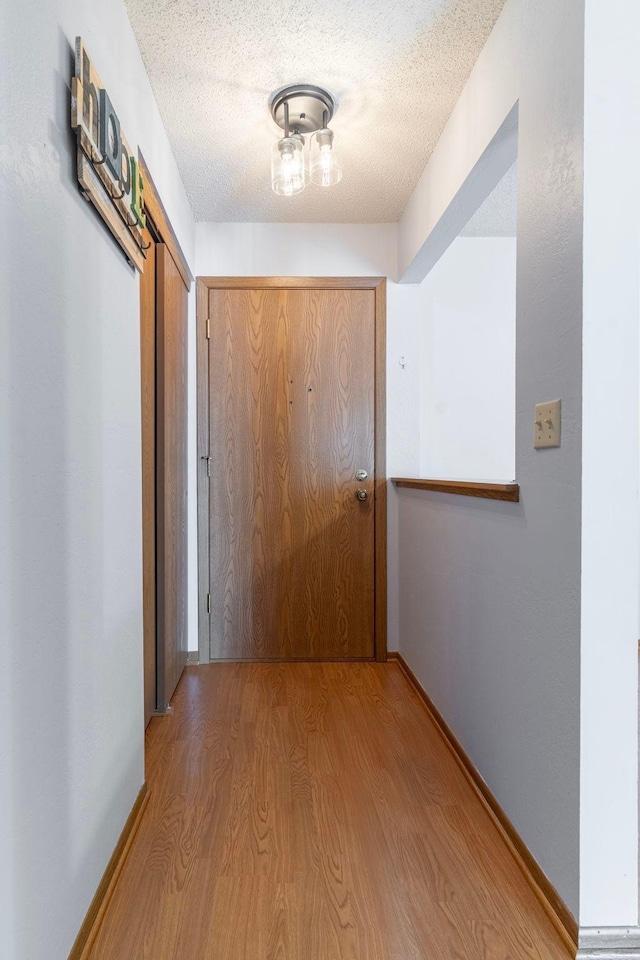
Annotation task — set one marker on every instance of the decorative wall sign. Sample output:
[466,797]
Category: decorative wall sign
[108,172]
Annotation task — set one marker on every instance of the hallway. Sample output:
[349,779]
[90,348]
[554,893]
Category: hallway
[311,811]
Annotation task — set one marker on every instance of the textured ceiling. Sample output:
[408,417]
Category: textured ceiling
[396,69]
[498,215]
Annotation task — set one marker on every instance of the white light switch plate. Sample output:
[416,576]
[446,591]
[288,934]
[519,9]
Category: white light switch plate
[546,428]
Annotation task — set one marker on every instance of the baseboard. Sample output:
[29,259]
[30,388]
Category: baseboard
[97,909]
[544,890]
[609,943]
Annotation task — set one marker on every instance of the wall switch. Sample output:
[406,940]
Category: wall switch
[546,429]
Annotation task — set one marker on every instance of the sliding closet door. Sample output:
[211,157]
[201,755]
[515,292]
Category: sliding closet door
[171,476]
[148,411]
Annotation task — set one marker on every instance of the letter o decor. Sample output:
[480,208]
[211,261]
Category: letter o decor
[108,171]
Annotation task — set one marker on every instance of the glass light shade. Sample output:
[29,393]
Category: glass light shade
[326,169]
[288,173]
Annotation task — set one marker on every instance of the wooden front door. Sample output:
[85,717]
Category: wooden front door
[291,421]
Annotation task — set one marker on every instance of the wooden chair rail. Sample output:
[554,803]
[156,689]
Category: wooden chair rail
[464,488]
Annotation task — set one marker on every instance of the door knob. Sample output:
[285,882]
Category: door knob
[361,494]
[361,474]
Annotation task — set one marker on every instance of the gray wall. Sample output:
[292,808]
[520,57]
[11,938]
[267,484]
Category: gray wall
[489,593]
[71,720]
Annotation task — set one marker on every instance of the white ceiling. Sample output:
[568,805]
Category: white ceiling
[397,69]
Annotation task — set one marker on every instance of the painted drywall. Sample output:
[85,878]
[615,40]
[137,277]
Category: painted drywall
[455,190]
[609,649]
[71,722]
[489,593]
[468,362]
[235,249]
[498,215]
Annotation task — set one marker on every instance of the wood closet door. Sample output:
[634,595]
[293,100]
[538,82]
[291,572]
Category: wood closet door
[148,437]
[171,474]
[291,420]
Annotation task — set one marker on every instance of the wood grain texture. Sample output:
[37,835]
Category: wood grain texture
[542,888]
[88,932]
[171,475]
[291,416]
[148,437]
[158,229]
[94,191]
[381,471]
[313,810]
[154,208]
[202,447]
[464,488]
[111,194]
[292,283]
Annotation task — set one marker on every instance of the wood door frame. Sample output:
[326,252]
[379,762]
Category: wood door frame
[379,286]
[158,230]
[154,208]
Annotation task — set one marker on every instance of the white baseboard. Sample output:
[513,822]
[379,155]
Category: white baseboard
[609,943]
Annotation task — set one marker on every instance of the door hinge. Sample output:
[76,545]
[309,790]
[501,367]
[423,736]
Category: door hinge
[208,328]
[208,603]
[208,460]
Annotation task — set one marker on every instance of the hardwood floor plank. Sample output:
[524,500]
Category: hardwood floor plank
[311,811]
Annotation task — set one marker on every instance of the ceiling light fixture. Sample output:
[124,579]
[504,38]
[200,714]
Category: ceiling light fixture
[303,110]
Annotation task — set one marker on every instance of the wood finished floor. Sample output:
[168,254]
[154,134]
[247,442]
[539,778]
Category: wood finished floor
[310,811]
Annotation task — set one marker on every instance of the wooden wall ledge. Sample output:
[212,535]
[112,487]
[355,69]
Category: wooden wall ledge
[464,488]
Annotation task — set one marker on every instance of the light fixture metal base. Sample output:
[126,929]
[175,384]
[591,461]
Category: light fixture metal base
[310,108]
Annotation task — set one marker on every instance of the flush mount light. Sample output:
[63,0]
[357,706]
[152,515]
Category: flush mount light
[303,112]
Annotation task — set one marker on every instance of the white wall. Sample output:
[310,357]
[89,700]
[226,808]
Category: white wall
[289,249]
[489,593]
[468,362]
[609,650]
[71,722]
[522,621]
